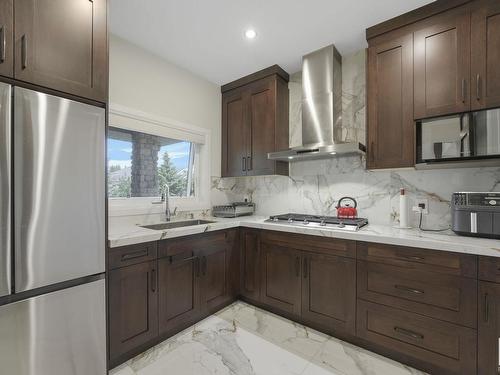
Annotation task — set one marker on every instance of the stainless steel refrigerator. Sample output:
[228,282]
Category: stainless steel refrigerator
[52,235]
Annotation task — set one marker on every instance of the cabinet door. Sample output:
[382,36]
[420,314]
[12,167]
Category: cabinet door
[62,45]
[262,112]
[442,65]
[234,133]
[329,291]
[390,104]
[179,296]
[485,55]
[133,308]
[6,38]
[250,259]
[214,277]
[489,329]
[280,277]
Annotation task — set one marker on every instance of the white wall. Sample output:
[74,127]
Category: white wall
[143,81]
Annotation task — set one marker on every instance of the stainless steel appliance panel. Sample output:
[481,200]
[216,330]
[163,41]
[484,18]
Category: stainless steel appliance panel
[60,333]
[59,161]
[465,137]
[5,189]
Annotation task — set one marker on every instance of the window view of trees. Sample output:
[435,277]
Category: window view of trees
[140,165]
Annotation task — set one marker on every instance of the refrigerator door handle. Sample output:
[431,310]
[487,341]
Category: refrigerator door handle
[5,189]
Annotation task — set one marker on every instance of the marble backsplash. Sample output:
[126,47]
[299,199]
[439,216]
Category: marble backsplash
[315,186]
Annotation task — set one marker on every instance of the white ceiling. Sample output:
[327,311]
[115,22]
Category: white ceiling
[206,37]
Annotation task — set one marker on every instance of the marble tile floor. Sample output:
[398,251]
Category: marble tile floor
[245,340]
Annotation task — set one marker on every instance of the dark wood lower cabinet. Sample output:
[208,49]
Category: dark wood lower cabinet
[446,297]
[432,345]
[250,264]
[280,278]
[179,291]
[420,307]
[489,329]
[133,309]
[214,277]
[329,292]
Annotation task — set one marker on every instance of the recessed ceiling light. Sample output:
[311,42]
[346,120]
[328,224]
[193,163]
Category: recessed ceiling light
[250,34]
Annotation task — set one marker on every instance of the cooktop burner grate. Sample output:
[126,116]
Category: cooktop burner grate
[318,220]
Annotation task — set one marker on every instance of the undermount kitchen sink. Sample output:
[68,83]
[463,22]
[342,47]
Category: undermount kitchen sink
[176,224]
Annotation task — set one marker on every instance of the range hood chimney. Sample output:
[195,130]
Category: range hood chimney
[321,110]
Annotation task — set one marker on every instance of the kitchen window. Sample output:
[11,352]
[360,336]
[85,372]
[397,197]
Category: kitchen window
[147,153]
[141,165]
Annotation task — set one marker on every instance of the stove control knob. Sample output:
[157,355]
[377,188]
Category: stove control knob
[341,224]
[323,223]
[305,222]
[290,220]
[275,219]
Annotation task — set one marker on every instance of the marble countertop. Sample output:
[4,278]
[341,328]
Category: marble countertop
[130,233]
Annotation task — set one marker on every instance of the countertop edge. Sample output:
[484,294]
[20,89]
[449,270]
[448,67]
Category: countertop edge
[375,234]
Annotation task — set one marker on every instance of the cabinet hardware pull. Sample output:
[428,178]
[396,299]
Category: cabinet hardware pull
[463,90]
[204,266]
[24,51]
[498,358]
[153,280]
[197,267]
[3,44]
[408,289]
[297,266]
[486,308]
[407,332]
[171,260]
[243,163]
[249,163]
[413,257]
[134,255]
[478,87]
[305,268]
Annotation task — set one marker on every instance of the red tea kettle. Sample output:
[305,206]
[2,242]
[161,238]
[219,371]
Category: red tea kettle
[345,209]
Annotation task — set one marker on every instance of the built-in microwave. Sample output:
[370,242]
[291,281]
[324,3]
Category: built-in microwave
[472,137]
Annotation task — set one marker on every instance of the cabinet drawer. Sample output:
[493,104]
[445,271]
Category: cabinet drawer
[316,244]
[411,257]
[441,347]
[489,269]
[133,254]
[441,296]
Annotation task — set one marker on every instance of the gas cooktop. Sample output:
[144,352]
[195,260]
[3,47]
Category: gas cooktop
[331,222]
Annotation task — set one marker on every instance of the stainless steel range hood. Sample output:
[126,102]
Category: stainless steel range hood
[321,110]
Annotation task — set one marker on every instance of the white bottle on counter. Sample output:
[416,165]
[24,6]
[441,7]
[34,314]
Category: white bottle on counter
[403,209]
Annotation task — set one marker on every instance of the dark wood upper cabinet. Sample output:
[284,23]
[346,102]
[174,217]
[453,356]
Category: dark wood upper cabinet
[254,123]
[280,278]
[179,291]
[250,261]
[235,133]
[62,45]
[6,38]
[442,64]
[488,328]
[133,308]
[262,131]
[329,291]
[390,103]
[485,52]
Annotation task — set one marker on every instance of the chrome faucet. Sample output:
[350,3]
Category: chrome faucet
[166,197]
